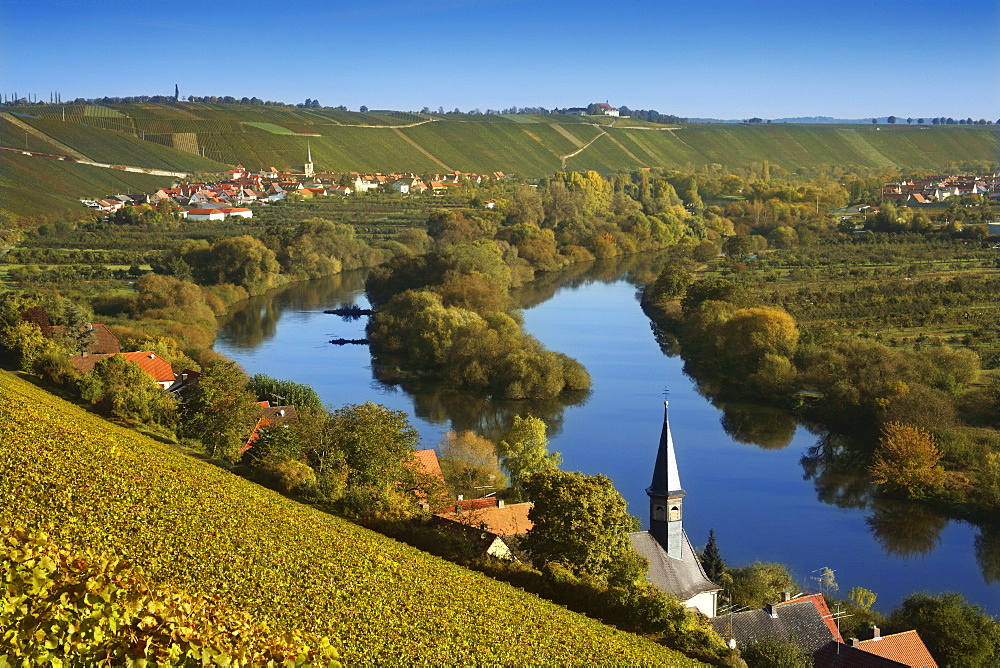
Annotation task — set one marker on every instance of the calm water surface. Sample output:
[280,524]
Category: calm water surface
[780,501]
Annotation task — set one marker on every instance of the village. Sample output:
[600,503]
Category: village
[241,188]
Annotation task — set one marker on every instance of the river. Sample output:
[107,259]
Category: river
[772,493]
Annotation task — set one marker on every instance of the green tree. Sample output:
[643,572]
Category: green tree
[956,632]
[128,392]
[775,653]
[711,560]
[283,392]
[760,583]
[523,451]
[377,443]
[581,522]
[863,598]
[219,411]
[672,283]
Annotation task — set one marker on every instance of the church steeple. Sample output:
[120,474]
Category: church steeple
[309,161]
[665,494]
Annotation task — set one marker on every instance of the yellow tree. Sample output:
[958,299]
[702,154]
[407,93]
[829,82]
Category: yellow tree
[906,461]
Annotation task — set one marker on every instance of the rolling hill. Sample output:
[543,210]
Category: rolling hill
[202,137]
[191,526]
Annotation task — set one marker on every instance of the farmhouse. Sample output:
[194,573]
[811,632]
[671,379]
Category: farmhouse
[155,366]
[206,214]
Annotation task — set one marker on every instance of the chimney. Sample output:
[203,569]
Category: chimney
[281,413]
[786,596]
[876,633]
[500,503]
[769,609]
[855,642]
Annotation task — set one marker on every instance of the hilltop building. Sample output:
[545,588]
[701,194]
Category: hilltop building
[674,567]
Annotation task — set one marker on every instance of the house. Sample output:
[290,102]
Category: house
[102,341]
[492,522]
[237,212]
[343,191]
[490,203]
[272,416]
[493,515]
[805,620]
[155,366]
[605,109]
[674,567]
[206,214]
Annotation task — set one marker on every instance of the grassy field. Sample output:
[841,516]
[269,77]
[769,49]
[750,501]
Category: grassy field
[29,186]
[119,149]
[189,524]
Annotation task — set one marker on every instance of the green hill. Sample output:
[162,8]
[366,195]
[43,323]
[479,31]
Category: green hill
[175,135]
[187,524]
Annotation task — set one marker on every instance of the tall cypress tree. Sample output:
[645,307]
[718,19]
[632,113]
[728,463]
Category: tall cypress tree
[711,559]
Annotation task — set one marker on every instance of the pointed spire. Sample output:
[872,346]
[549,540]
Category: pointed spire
[309,155]
[666,478]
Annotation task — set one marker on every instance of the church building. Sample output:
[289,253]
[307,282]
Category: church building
[674,567]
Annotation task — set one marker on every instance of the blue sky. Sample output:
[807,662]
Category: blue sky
[722,59]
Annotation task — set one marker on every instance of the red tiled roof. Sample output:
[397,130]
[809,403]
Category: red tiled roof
[427,462]
[152,364]
[906,648]
[204,212]
[104,341]
[511,520]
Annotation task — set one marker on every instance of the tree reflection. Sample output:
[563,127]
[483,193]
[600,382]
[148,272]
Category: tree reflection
[905,529]
[255,321]
[466,410]
[833,464]
[764,426]
[988,553]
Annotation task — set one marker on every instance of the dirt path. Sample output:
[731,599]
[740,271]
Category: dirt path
[581,149]
[568,135]
[421,148]
[120,168]
[44,137]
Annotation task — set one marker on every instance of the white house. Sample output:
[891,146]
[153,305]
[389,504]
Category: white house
[206,214]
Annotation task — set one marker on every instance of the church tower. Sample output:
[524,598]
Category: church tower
[665,496]
[308,169]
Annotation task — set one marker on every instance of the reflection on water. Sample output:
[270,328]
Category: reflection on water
[988,553]
[254,321]
[765,426]
[832,465]
[905,529]
[807,501]
[463,410]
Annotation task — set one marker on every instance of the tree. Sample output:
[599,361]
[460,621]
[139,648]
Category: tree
[760,583]
[711,560]
[906,461]
[128,392]
[581,522]
[219,411]
[283,392]
[672,283]
[956,632]
[470,464]
[775,653]
[524,451]
[891,119]
[863,598]
[377,443]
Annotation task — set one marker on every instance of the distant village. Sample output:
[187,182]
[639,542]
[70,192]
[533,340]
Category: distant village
[240,188]
[936,189]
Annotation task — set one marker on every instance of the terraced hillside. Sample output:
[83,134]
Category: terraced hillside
[189,524]
[529,145]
